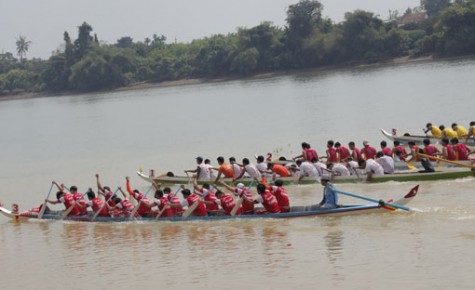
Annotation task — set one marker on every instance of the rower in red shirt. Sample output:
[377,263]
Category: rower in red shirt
[398,146]
[173,199]
[104,191]
[430,150]
[369,152]
[342,152]
[281,195]
[122,208]
[332,156]
[164,208]
[414,151]
[65,198]
[461,150]
[448,151]
[226,201]
[95,203]
[144,209]
[266,198]
[385,149]
[240,190]
[355,152]
[208,193]
[189,200]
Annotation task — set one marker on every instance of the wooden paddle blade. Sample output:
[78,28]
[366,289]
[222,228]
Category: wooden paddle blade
[236,207]
[190,209]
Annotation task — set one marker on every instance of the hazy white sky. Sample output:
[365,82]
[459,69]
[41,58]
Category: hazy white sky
[43,22]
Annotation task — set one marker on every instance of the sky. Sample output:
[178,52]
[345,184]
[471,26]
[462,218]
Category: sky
[44,22]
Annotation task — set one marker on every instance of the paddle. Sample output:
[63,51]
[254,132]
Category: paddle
[165,207]
[410,165]
[240,200]
[190,209]
[132,214]
[380,202]
[99,211]
[447,161]
[43,208]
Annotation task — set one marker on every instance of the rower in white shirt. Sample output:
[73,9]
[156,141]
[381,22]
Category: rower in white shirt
[338,169]
[306,169]
[386,162]
[371,168]
[250,169]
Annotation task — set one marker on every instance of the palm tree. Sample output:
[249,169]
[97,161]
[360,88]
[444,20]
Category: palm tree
[22,46]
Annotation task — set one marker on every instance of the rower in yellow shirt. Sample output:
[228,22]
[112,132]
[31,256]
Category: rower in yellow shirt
[471,131]
[436,132]
[447,132]
[461,131]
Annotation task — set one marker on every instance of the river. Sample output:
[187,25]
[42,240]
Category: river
[70,138]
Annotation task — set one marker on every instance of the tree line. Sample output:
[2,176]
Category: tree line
[308,40]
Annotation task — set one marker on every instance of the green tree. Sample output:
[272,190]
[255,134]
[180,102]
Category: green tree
[84,40]
[456,28]
[246,61]
[434,7]
[125,42]
[22,46]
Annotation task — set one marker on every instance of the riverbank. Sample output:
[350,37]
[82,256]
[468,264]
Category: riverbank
[194,81]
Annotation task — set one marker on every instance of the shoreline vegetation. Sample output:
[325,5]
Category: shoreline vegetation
[437,29]
[186,82]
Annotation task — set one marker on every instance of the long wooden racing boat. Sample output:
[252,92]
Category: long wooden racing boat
[295,211]
[416,138]
[446,173]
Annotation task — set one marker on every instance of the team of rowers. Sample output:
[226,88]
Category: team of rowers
[339,161]
[457,131]
[199,201]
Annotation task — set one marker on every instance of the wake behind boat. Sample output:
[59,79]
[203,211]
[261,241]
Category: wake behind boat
[295,211]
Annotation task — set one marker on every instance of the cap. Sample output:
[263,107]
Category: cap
[365,142]
[240,185]
[325,177]
[199,158]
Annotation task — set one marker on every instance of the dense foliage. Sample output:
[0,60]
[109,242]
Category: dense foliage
[308,40]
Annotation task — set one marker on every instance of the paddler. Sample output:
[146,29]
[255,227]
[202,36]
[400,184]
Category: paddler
[430,150]
[436,132]
[342,152]
[162,203]
[461,150]
[201,172]
[448,151]
[104,191]
[266,198]
[65,198]
[368,152]
[332,156]
[144,209]
[371,168]
[355,152]
[224,169]
[447,132]
[385,149]
[471,131]
[225,201]
[307,152]
[209,195]
[460,130]
[281,195]
[250,169]
[240,190]
[189,200]
[95,203]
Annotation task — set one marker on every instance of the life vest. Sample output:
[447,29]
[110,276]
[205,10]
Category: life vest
[98,204]
[80,199]
[282,198]
[227,203]
[200,209]
[164,203]
[68,202]
[211,197]
[173,199]
[270,202]
[247,207]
